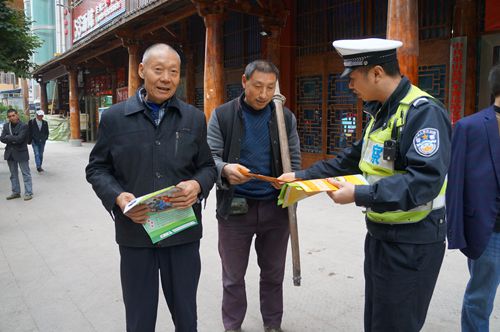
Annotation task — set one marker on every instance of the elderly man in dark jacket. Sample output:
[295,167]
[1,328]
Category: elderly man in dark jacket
[15,136]
[149,142]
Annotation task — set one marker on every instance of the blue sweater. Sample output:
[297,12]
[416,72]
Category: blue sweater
[256,153]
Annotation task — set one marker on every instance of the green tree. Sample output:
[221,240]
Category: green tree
[17,43]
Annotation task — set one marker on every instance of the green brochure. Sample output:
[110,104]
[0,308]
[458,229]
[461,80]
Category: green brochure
[164,220]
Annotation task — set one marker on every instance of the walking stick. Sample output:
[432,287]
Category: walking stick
[279,101]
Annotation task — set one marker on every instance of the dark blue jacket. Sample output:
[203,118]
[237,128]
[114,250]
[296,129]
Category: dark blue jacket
[473,194]
[133,155]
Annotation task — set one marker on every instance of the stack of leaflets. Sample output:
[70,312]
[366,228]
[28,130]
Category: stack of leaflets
[164,220]
[293,192]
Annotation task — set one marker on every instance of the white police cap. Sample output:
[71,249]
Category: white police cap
[364,52]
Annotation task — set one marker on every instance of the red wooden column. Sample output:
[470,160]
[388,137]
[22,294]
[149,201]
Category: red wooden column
[74,109]
[465,24]
[134,81]
[213,15]
[402,24]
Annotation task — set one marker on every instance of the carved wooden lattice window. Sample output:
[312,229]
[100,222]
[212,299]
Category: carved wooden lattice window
[320,22]
[198,98]
[379,18]
[233,91]
[342,115]
[435,19]
[241,40]
[343,19]
[432,79]
[309,113]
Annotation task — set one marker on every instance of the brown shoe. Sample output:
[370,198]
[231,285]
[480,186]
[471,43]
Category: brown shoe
[13,196]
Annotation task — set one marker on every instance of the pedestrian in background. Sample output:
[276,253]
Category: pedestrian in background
[38,135]
[15,135]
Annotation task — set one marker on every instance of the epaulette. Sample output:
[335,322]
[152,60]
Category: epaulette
[420,101]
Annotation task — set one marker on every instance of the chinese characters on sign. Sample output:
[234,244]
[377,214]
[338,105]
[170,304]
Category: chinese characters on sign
[458,58]
[91,14]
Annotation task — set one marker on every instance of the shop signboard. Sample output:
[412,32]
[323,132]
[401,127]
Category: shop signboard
[89,15]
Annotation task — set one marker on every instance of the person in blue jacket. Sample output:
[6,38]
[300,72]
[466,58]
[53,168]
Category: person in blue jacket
[404,154]
[473,206]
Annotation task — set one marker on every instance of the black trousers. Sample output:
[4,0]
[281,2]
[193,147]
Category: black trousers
[179,268]
[399,282]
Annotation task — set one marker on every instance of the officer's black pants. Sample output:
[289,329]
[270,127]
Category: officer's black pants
[399,282]
[179,268]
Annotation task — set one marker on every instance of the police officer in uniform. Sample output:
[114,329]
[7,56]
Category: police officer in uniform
[404,154]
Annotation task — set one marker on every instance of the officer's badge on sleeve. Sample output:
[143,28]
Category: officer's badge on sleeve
[426,142]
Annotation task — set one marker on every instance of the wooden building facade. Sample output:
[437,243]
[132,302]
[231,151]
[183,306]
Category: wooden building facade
[455,44]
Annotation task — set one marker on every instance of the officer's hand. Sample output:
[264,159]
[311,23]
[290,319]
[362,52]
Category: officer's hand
[284,178]
[287,177]
[232,173]
[344,195]
[138,214]
[186,195]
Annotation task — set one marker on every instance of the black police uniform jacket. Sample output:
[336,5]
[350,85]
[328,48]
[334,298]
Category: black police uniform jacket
[420,184]
[134,155]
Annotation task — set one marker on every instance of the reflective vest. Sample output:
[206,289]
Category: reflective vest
[374,167]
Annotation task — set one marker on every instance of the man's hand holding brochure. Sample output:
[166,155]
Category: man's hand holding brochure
[164,219]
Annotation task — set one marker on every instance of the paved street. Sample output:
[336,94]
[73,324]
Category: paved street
[59,264]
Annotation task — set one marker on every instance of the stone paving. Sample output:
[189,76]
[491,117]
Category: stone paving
[59,264]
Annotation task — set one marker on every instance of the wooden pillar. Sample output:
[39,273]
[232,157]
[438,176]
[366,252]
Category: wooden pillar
[74,108]
[465,23]
[278,46]
[213,16]
[134,80]
[43,96]
[402,24]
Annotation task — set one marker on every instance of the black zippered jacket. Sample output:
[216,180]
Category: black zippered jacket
[134,155]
